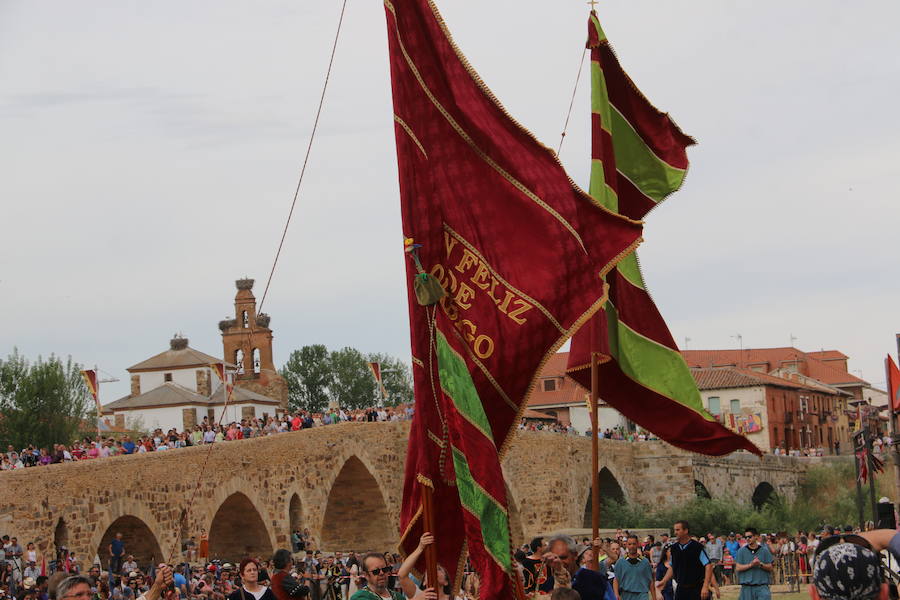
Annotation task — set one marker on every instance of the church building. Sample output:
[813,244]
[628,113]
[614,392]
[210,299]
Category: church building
[178,388]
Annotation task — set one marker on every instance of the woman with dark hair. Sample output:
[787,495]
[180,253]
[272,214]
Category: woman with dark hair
[250,588]
[662,567]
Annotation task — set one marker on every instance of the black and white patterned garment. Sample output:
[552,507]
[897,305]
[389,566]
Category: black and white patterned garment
[846,571]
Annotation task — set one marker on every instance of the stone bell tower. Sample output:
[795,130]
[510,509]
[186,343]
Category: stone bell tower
[247,343]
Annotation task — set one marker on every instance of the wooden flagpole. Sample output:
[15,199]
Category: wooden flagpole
[595,445]
[430,549]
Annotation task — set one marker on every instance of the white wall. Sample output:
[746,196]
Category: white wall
[234,412]
[752,401]
[167,417]
[164,417]
[183,377]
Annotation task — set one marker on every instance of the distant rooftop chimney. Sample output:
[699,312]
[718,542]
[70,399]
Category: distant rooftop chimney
[178,343]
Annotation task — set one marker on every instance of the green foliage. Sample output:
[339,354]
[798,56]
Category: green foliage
[308,375]
[353,385]
[316,376]
[42,403]
[826,496]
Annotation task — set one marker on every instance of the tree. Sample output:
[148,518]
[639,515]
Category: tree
[353,385]
[308,376]
[397,378]
[42,403]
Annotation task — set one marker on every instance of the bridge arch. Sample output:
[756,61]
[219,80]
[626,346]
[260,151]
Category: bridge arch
[238,530]
[137,523]
[763,494]
[356,513]
[295,514]
[610,490]
[700,490]
[139,539]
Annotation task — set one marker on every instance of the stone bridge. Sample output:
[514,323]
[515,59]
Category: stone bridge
[343,482]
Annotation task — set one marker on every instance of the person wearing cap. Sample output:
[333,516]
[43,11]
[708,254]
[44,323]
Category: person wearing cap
[753,566]
[32,570]
[634,575]
[129,565]
[590,583]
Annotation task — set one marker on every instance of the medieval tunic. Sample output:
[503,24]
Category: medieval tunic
[755,580]
[634,576]
[689,568]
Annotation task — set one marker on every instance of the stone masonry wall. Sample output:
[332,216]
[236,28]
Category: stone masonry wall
[342,476]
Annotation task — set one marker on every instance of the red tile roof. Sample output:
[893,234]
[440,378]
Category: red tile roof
[566,392]
[533,414]
[828,355]
[730,377]
[715,369]
[774,358]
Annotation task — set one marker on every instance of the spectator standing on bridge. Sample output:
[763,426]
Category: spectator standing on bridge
[116,553]
[634,575]
[753,564]
[690,566]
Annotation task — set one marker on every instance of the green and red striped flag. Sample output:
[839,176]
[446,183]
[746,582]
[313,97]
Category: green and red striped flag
[519,250]
[638,158]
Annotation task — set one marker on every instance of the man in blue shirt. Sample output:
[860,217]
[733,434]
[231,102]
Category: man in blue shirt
[732,544]
[634,575]
[753,563]
[116,554]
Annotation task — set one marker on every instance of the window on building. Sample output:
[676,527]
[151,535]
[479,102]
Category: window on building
[715,405]
[239,361]
[735,405]
[256,365]
[549,385]
[804,404]
[245,320]
[167,377]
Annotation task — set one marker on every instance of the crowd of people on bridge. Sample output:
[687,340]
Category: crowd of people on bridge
[203,433]
[625,566]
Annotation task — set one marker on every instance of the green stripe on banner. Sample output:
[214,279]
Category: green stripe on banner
[599,29]
[652,364]
[493,519]
[634,158]
[600,97]
[457,383]
[631,270]
[600,190]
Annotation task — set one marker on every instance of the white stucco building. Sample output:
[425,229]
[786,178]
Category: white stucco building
[177,388]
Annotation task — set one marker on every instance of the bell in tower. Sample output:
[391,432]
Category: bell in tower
[247,342]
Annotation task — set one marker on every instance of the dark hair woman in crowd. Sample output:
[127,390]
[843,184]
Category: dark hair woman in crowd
[250,588]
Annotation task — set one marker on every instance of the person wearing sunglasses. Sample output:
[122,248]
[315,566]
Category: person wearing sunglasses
[376,572]
[848,567]
[753,565]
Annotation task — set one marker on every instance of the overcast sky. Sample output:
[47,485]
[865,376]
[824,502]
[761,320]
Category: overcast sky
[149,152]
